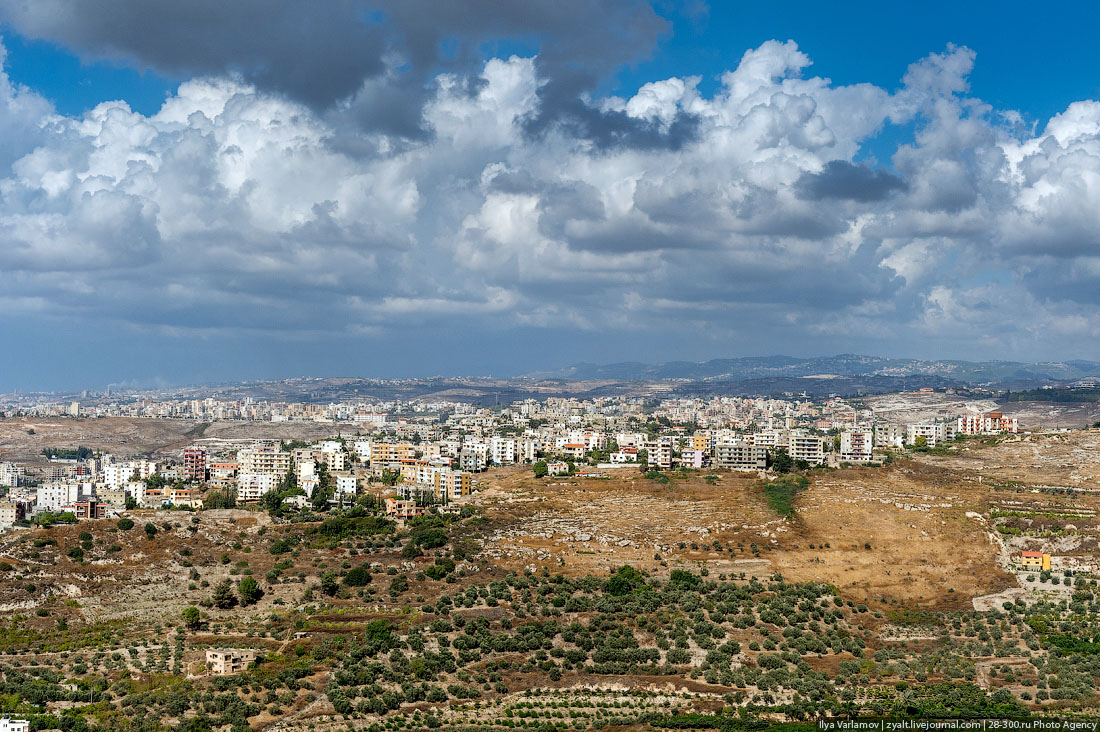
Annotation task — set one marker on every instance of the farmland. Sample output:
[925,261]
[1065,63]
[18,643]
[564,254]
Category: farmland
[690,599]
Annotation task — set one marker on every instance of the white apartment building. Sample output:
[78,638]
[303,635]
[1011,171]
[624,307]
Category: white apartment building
[659,452]
[346,486]
[363,450]
[8,724]
[253,486]
[11,474]
[502,450]
[889,436]
[810,448]
[52,496]
[527,449]
[117,475]
[263,460]
[933,432]
[856,446]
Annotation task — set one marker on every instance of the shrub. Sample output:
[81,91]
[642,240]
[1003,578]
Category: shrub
[125,524]
[358,577]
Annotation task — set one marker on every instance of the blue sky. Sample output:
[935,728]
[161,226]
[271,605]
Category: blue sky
[395,192]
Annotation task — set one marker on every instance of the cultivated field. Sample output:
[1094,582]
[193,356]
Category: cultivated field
[895,591]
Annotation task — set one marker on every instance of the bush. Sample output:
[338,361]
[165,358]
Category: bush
[76,553]
[125,524]
[151,530]
[358,577]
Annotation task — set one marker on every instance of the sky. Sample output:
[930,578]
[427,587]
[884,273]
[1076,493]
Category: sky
[207,191]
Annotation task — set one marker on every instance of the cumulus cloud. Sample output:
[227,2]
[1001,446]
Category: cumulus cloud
[242,206]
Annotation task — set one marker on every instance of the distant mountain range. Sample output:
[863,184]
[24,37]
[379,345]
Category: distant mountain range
[1000,374]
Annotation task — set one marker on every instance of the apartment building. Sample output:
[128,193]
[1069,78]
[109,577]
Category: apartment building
[402,508]
[660,452]
[693,458]
[474,457]
[386,453]
[263,460]
[347,486]
[740,456]
[194,464]
[856,446]
[7,724]
[810,448]
[253,486]
[452,484]
[117,475]
[889,436]
[222,473]
[502,450]
[703,440]
[52,496]
[933,432]
[10,512]
[11,474]
[986,424]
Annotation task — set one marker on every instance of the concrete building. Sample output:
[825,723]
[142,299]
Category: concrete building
[693,458]
[557,467]
[986,424]
[194,464]
[52,496]
[890,436]
[474,457]
[224,661]
[253,486]
[452,484]
[402,508]
[660,452]
[7,724]
[10,512]
[347,486]
[263,460]
[856,446]
[740,456]
[810,448]
[11,474]
[502,450]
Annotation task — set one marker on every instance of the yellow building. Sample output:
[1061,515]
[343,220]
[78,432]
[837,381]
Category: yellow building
[1035,560]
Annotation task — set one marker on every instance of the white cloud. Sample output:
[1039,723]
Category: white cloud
[233,208]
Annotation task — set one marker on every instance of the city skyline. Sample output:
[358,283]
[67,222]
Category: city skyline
[373,190]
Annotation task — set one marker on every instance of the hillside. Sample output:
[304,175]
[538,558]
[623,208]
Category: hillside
[628,601]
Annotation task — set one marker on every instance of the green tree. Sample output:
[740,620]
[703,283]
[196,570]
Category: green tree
[643,460]
[780,460]
[125,524]
[249,590]
[191,617]
[329,583]
[223,596]
[151,530]
[358,577]
[540,468]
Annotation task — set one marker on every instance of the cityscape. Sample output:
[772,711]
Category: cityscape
[616,365]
